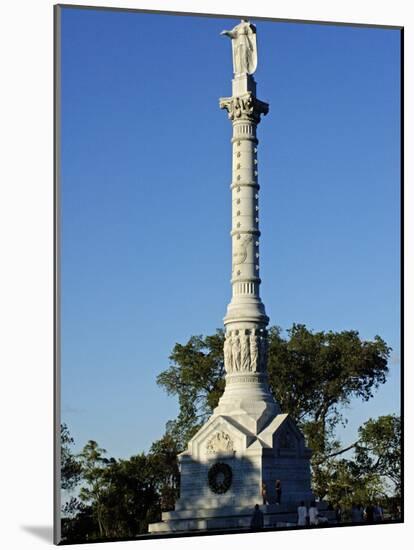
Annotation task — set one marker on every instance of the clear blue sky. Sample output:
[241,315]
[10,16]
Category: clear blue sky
[146,168]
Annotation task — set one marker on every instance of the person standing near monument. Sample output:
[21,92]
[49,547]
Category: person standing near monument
[264,493]
[302,514]
[378,512]
[313,514]
[257,518]
[369,513]
[357,513]
[278,490]
[338,513]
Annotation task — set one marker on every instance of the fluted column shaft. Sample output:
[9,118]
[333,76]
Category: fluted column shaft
[246,343]
[245,210]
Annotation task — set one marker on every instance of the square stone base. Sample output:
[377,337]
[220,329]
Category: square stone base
[275,516]
[221,518]
[227,468]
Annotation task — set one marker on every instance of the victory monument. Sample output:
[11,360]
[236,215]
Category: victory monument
[248,452]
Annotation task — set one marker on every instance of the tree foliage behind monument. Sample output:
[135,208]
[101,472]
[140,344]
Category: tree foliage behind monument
[312,375]
[70,468]
[118,498]
[196,377]
[378,449]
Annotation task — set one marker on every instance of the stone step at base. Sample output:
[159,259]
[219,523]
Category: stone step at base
[212,511]
[205,519]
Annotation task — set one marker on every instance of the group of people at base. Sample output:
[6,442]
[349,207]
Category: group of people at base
[372,513]
[278,492]
[305,516]
[311,516]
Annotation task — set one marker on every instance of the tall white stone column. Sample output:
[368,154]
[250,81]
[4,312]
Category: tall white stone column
[246,343]
[246,444]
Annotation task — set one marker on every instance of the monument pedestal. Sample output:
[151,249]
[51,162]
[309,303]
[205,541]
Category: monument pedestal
[223,518]
[274,516]
[225,467]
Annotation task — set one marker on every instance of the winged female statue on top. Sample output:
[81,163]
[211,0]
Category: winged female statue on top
[243,41]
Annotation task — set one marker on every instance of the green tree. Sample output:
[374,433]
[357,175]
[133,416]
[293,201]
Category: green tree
[129,498]
[118,498]
[70,468]
[93,463]
[196,377]
[373,472]
[347,484]
[164,463]
[78,524]
[77,520]
[378,450]
[313,375]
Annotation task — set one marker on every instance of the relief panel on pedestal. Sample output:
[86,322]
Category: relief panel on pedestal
[220,443]
[245,351]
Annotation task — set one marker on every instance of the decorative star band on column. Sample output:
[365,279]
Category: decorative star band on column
[246,106]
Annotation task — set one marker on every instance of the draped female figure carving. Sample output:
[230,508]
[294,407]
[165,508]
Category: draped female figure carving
[236,353]
[228,356]
[254,352]
[245,353]
[244,46]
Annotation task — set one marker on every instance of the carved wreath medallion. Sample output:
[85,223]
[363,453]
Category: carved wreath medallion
[220,476]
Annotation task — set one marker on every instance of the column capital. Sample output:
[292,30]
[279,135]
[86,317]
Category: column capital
[244,107]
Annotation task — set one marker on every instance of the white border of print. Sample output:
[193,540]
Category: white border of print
[26,290]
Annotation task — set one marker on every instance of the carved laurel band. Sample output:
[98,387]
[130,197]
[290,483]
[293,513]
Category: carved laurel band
[256,377]
[245,351]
